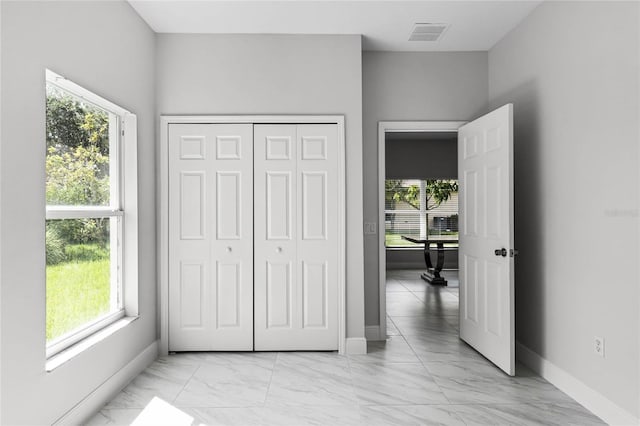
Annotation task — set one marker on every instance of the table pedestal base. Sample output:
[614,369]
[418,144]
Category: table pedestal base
[433,278]
[432,275]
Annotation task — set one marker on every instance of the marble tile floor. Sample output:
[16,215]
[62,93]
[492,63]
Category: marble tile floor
[421,375]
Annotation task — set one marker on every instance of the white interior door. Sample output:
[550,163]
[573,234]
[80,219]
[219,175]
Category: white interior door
[485,173]
[210,237]
[296,237]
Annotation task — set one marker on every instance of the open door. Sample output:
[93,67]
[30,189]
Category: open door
[485,173]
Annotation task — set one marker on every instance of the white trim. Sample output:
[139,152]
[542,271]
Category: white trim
[396,127]
[82,93]
[73,351]
[356,346]
[638,234]
[1,197]
[93,402]
[129,226]
[372,333]
[64,212]
[342,237]
[84,331]
[163,236]
[163,196]
[123,195]
[252,119]
[592,400]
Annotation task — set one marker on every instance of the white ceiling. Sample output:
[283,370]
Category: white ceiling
[385,25]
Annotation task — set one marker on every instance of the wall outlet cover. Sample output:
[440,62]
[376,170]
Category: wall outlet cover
[598,345]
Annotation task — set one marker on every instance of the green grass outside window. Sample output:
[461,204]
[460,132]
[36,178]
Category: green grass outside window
[78,289]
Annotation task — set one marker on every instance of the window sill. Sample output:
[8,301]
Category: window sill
[404,248]
[68,354]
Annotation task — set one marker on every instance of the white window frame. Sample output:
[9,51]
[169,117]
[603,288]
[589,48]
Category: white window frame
[123,208]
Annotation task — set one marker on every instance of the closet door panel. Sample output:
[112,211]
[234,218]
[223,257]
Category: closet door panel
[275,284]
[210,237]
[317,247]
[295,224]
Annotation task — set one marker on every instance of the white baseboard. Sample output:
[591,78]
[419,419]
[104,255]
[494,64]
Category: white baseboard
[597,403]
[107,390]
[372,333]
[356,346]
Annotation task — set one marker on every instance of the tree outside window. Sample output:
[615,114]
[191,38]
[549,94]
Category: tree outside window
[408,204]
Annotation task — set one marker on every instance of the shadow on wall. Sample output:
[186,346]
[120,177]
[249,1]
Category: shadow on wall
[529,226]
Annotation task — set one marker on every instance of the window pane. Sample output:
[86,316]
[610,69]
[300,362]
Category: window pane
[77,164]
[79,284]
[443,220]
[402,224]
[421,209]
[402,212]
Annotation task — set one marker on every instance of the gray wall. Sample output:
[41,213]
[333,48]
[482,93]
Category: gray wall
[107,48]
[411,86]
[421,159]
[276,74]
[575,95]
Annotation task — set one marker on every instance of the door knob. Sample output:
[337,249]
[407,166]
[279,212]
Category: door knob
[278,249]
[229,249]
[501,252]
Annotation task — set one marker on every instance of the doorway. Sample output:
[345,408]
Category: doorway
[412,130]
[486,250]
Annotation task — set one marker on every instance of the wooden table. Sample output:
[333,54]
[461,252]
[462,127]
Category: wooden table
[432,274]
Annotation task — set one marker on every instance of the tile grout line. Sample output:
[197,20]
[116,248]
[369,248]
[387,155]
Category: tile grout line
[353,390]
[422,363]
[273,370]
[424,302]
[173,401]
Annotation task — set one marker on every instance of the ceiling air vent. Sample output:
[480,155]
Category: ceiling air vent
[427,32]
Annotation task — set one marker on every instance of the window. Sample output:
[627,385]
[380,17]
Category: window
[421,208]
[91,203]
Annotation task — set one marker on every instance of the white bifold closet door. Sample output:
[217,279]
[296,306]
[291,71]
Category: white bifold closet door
[296,237]
[210,237]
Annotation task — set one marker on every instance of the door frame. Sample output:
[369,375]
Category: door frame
[385,127]
[163,214]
